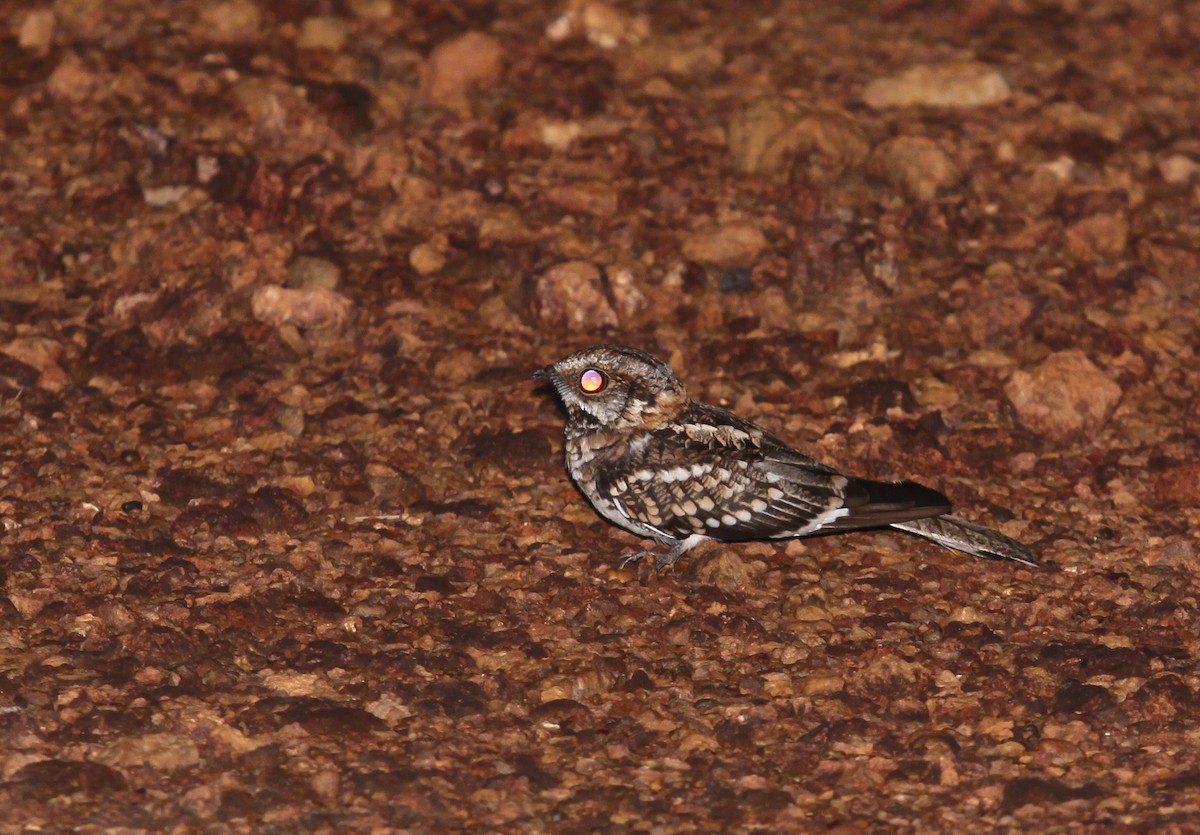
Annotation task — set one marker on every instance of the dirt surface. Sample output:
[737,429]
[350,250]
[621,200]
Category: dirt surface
[287,539]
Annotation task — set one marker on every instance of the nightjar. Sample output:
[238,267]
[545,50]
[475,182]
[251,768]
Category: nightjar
[657,463]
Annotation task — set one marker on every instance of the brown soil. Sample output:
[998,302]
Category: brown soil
[287,543]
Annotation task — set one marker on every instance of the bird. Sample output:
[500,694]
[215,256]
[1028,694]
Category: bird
[663,466]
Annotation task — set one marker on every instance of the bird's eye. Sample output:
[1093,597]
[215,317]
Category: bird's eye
[592,381]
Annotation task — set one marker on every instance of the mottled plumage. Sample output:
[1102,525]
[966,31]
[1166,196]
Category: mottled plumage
[656,463]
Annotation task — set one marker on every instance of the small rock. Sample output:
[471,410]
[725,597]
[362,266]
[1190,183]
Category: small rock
[426,259]
[27,605]
[1179,486]
[291,420]
[374,9]
[322,32]
[811,613]
[769,134]
[267,104]
[297,684]
[40,353]
[534,134]
[326,784]
[967,614]
[73,81]
[504,225]
[320,309]
[455,68]
[1023,462]
[495,313]
[1070,118]
[36,31]
[164,195]
[601,24]
[733,244]
[1178,169]
[594,198]
[308,273]
[236,21]
[959,84]
[161,752]
[996,312]
[625,283]
[1066,395]
[822,684]
[932,392]
[724,569]
[462,206]
[676,57]
[1098,237]
[558,134]
[571,294]
[1180,553]
[915,165]
[778,685]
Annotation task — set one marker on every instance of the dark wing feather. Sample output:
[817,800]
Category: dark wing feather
[726,478]
[850,503]
[874,504]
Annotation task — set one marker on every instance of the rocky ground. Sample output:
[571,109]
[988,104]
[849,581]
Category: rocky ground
[287,539]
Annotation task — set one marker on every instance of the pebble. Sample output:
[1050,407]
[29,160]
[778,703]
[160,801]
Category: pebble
[308,273]
[159,751]
[36,31]
[1179,485]
[914,165]
[599,23]
[73,81]
[322,32]
[957,84]
[570,294]
[321,309]
[624,282]
[1102,236]
[426,259]
[237,21]
[769,134]
[1067,395]
[734,244]
[1178,169]
[589,198]
[470,62]
[40,353]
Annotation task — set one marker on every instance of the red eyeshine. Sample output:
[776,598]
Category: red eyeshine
[592,381]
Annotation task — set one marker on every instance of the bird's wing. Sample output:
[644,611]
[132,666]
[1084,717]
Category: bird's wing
[714,474]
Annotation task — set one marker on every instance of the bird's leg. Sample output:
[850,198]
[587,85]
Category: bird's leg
[634,557]
[667,559]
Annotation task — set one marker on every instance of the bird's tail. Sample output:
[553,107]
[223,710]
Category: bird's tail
[962,535]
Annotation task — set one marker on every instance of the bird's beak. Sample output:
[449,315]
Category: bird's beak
[546,373]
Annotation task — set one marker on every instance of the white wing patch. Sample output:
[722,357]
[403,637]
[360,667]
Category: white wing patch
[637,523]
[819,521]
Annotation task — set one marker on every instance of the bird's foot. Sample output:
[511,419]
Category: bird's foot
[661,561]
[626,560]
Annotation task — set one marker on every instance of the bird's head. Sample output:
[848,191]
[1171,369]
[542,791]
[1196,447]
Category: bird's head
[614,387]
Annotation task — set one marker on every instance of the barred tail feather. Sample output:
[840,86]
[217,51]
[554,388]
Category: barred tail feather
[962,535]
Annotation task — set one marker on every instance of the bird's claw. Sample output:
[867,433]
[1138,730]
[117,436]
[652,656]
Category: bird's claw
[661,561]
[626,560]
